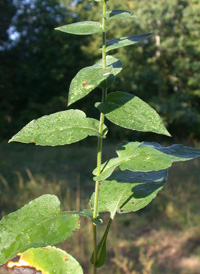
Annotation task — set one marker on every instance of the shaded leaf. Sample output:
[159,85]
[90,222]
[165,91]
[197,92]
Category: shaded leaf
[145,157]
[91,77]
[51,260]
[119,14]
[129,111]
[127,191]
[37,224]
[126,41]
[81,28]
[61,128]
[101,248]
[101,253]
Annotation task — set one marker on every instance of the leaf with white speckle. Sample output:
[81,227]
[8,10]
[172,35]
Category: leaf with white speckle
[129,111]
[127,191]
[61,128]
[87,79]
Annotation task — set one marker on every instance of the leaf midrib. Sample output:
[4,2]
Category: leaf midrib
[66,128]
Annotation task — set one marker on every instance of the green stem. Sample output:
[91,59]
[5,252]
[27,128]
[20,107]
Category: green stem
[100,140]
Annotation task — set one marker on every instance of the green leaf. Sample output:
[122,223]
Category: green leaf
[91,77]
[123,192]
[129,111]
[81,28]
[37,224]
[101,248]
[145,157]
[119,14]
[61,128]
[85,81]
[115,65]
[127,191]
[51,260]
[126,41]
[101,252]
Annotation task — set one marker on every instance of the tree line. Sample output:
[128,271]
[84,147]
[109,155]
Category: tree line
[38,63]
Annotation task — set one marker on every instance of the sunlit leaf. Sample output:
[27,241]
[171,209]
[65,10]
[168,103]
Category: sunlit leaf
[51,260]
[61,128]
[119,14]
[145,157]
[114,64]
[127,191]
[126,41]
[81,28]
[85,81]
[91,77]
[37,224]
[129,111]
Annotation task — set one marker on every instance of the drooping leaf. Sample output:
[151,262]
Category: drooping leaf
[81,28]
[145,157]
[91,77]
[119,14]
[114,64]
[127,191]
[51,260]
[37,224]
[129,111]
[61,128]
[126,41]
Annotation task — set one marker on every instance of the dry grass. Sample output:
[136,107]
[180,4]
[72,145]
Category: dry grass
[162,238]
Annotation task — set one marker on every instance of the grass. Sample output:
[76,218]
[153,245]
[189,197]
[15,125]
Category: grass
[162,238]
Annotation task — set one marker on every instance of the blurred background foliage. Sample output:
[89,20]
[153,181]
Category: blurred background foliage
[38,63]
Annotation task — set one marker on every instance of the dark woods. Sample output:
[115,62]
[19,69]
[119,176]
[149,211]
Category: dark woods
[38,63]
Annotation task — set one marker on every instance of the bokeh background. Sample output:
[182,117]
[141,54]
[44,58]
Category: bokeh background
[37,65]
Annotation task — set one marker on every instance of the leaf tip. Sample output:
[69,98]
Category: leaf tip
[11,140]
[69,103]
[167,133]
